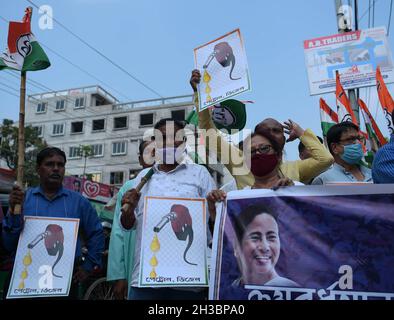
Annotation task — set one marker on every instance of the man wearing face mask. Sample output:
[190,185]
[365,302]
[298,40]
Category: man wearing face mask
[172,177]
[344,142]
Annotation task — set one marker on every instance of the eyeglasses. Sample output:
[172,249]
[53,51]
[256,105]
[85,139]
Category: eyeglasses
[352,140]
[263,149]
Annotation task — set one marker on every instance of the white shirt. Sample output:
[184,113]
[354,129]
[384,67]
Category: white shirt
[185,181]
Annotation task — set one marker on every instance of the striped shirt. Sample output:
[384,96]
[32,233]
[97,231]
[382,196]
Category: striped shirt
[383,163]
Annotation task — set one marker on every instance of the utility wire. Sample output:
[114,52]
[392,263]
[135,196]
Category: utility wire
[100,53]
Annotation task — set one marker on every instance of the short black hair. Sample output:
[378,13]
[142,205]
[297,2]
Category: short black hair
[163,122]
[143,144]
[241,222]
[334,134]
[49,152]
[301,146]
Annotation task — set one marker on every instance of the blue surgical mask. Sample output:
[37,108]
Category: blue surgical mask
[170,155]
[352,153]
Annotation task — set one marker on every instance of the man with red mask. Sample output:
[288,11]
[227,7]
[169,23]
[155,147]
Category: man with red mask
[299,170]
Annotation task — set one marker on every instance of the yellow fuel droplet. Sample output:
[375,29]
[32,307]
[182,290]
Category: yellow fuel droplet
[153,274]
[27,259]
[24,274]
[155,244]
[206,77]
[208,89]
[153,261]
[21,285]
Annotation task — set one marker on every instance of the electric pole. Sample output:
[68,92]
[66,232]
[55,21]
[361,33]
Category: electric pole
[344,23]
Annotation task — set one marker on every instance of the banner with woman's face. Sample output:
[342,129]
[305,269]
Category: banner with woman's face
[305,242]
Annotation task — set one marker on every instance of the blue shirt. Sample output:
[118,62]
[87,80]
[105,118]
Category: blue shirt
[338,173]
[65,204]
[383,163]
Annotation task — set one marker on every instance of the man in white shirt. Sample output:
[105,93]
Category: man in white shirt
[172,177]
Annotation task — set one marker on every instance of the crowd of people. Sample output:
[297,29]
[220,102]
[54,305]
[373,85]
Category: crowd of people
[175,176]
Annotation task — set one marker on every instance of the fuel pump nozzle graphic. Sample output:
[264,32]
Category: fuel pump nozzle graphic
[54,243]
[181,223]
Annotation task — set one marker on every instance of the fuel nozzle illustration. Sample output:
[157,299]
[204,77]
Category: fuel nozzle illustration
[54,243]
[224,55]
[181,223]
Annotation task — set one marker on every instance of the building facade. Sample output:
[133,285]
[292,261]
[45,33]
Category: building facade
[91,116]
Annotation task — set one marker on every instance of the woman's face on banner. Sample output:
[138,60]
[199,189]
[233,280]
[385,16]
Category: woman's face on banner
[260,247]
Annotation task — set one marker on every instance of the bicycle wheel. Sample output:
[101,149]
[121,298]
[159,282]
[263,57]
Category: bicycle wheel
[99,290]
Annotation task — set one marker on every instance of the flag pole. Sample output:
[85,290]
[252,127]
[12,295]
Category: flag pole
[21,136]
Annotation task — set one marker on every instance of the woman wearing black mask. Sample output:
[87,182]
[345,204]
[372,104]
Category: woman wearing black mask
[263,156]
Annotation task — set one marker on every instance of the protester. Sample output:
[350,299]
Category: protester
[172,177]
[383,163]
[344,143]
[303,152]
[300,170]
[50,199]
[121,246]
[265,162]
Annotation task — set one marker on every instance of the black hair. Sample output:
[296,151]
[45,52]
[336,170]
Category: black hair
[49,152]
[241,222]
[143,144]
[163,122]
[301,146]
[334,134]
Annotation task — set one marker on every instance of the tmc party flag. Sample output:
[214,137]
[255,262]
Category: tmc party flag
[328,117]
[229,114]
[374,133]
[345,112]
[385,99]
[23,52]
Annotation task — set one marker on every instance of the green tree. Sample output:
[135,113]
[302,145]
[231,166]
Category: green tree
[9,149]
[86,151]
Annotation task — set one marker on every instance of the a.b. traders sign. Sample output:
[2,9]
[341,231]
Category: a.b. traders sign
[356,55]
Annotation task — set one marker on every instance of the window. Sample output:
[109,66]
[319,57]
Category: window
[96,177]
[120,123]
[98,125]
[39,130]
[119,148]
[60,105]
[75,153]
[116,177]
[178,115]
[97,150]
[79,103]
[77,127]
[41,107]
[58,129]
[146,119]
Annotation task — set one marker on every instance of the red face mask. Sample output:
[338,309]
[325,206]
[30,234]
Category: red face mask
[262,164]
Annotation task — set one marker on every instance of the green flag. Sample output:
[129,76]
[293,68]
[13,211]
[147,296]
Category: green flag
[24,52]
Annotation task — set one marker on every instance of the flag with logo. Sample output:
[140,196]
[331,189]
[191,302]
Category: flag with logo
[229,114]
[328,117]
[345,112]
[375,136]
[385,99]
[24,52]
